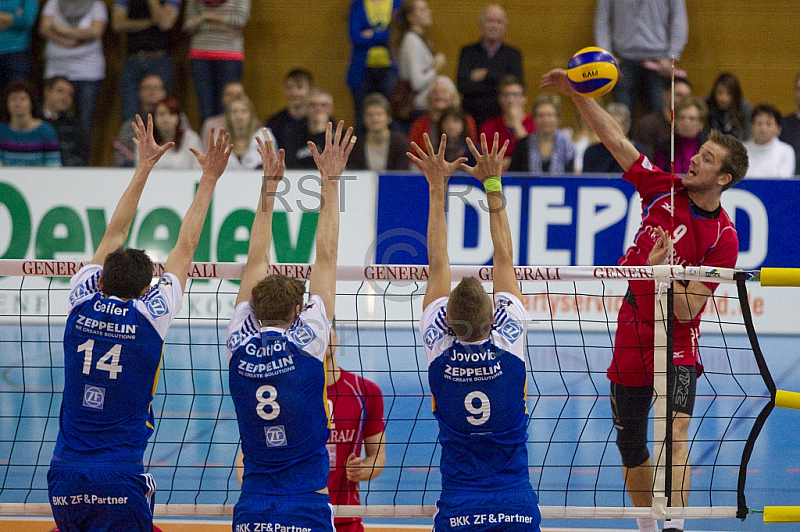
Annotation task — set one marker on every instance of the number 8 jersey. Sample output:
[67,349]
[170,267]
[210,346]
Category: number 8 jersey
[478,391]
[277,381]
[112,354]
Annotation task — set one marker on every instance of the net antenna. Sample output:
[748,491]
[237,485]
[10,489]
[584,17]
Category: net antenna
[574,466]
[672,156]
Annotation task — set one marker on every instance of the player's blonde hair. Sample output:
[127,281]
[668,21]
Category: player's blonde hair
[275,299]
[469,310]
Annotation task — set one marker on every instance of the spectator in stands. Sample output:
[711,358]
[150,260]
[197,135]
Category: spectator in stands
[653,129]
[548,149]
[453,124]
[417,59]
[147,24]
[728,110]
[151,91]
[769,156]
[690,115]
[356,410]
[289,125]
[481,66]
[644,36]
[371,66]
[790,126]
[168,128]
[320,112]
[73,31]
[16,20]
[514,120]
[442,96]
[25,139]
[582,137]
[231,91]
[242,124]
[216,50]
[379,148]
[597,158]
[57,110]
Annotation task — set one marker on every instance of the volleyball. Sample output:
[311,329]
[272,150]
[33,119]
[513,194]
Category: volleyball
[592,72]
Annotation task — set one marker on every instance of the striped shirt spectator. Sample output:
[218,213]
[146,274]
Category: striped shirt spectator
[37,147]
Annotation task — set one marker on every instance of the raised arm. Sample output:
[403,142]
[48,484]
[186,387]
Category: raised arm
[488,168]
[437,172]
[120,224]
[331,163]
[603,124]
[261,231]
[213,164]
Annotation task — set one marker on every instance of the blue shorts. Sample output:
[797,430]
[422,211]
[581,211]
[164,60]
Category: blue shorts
[84,499]
[307,512]
[515,510]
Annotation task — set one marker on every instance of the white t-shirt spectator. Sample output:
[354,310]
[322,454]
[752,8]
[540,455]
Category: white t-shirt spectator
[770,160]
[84,62]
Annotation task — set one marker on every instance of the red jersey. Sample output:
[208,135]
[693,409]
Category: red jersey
[356,406]
[700,238]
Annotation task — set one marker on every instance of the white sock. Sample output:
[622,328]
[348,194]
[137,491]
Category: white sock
[674,523]
[647,525]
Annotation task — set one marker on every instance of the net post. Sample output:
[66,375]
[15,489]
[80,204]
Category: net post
[661,339]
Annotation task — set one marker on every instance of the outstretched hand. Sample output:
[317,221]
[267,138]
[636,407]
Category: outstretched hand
[556,79]
[149,151]
[215,159]
[274,164]
[662,248]
[333,159]
[488,163]
[437,170]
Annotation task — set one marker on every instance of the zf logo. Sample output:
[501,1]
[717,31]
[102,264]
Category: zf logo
[94,397]
[303,335]
[157,307]
[276,436]
[432,335]
[77,294]
[511,330]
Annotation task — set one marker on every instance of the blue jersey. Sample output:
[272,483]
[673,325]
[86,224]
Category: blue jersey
[277,381]
[112,354]
[478,391]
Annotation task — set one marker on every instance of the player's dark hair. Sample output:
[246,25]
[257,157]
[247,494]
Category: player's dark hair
[736,161]
[275,298]
[126,273]
[767,109]
[469,311]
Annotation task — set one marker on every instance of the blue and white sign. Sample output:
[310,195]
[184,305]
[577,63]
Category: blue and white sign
[571,220]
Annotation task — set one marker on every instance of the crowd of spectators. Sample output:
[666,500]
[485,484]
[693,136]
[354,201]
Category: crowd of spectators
[391,46]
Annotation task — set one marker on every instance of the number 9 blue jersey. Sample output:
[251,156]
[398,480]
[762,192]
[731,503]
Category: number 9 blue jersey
[478,391]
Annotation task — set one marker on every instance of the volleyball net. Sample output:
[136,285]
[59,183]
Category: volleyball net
[574,464]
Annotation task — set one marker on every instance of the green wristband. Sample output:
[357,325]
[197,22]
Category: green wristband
[493,184]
